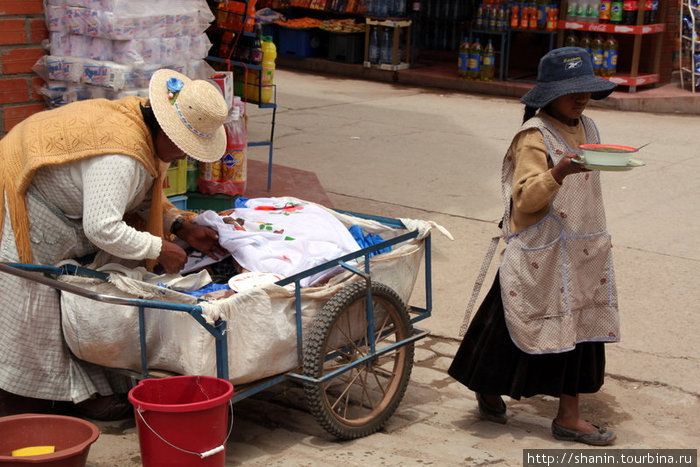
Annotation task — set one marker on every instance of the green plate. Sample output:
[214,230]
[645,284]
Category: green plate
[611,168]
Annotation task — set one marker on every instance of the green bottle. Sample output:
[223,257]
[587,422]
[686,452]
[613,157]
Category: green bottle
[616,12]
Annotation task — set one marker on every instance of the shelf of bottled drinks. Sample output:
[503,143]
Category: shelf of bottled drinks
[240,47]
[591,24]
[690,44]
[608,29]
[587,21]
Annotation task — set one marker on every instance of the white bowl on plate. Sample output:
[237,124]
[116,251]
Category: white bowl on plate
[607,154]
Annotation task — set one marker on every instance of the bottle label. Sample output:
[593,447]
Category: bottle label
[604,10]
[267,76]
[233,165]
[255,55]
[462,64]
[616,12]
[542,16]
[597,58]
[488,60]
[210,171]
[474,63]
[630,5]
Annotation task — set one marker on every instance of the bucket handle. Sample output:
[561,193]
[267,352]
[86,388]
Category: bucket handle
[201,455]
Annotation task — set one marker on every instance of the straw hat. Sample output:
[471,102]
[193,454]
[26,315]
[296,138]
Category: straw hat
[566,70]
[190,112]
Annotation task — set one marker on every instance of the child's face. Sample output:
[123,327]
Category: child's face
[568,108]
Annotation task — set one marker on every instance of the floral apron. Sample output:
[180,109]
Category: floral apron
[557,277]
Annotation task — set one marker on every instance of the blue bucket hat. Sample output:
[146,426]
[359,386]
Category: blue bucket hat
[567,70]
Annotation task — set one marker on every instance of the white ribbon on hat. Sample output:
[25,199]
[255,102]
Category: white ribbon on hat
[188,124]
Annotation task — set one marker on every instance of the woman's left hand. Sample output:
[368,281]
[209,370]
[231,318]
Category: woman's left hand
[204,239]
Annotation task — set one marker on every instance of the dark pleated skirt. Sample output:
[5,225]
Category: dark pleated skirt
[488,362]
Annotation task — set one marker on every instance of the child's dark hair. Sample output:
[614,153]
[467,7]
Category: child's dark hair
[149,119]
[529,113]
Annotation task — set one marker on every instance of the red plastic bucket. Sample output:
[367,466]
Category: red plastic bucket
[182,421]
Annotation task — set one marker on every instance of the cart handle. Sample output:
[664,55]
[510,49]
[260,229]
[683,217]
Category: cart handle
[19,271]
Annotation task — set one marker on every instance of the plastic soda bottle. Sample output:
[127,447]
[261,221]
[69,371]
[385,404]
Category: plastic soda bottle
[234,164]
[592,11]
[493,18]
[373,46]
[209,173]
[610,56]
[463,60]
[386,47]
[256,51]
[532,24]
[552,18]
[480,18]
[629,12]
[488,62]
[524,15]
[501,20]
[597,53]
[542,7]
[571,40]
[475,60]
[268,68]
[514,16]
[581,8]
[571,10]
[616,11]
[651,7]
[585,43]
[604,11]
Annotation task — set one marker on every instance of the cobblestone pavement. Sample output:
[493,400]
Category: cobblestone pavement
[437,424]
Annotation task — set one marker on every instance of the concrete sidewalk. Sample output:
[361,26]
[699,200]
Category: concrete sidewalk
[400,151]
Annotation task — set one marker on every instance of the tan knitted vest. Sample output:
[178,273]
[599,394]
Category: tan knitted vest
[70,133]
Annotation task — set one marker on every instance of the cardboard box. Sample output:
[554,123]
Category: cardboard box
[225,81]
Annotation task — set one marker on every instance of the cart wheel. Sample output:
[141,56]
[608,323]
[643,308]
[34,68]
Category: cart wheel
[359,401]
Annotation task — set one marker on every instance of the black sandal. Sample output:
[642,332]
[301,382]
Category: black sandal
[491,413]
[601,437]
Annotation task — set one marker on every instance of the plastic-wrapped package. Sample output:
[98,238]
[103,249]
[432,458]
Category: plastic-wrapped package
[53,68]
[99,48]
[127,51]
[56,18]
[93,73]
[59,43]
[116,45]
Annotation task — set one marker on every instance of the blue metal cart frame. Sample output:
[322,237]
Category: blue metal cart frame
[47,275]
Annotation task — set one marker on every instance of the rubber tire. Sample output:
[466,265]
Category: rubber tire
[348,302]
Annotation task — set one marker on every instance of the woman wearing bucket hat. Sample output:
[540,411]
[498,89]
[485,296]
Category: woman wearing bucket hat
[553,303]
[82,179]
